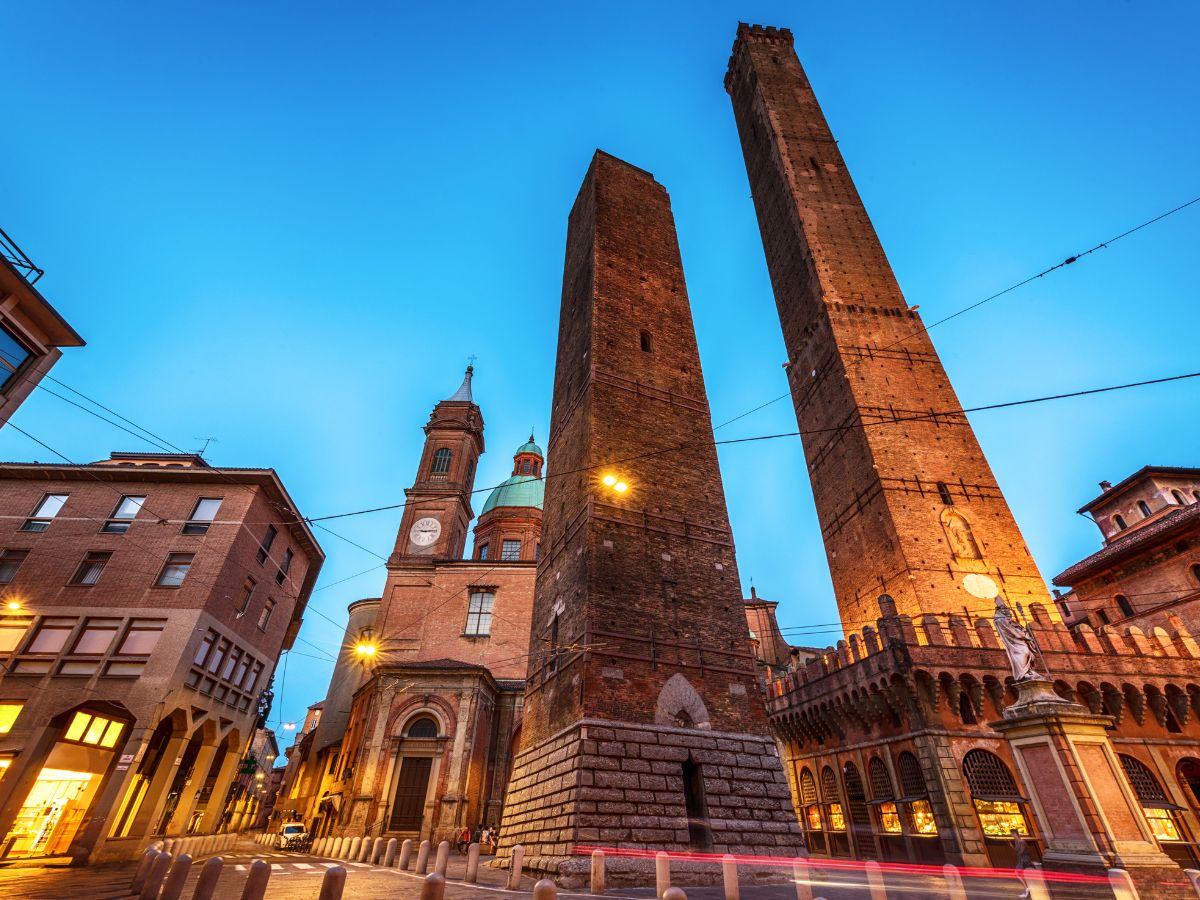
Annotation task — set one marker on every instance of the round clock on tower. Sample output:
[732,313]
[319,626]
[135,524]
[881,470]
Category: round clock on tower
[425,531]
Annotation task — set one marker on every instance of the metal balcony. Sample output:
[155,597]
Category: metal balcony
[17,258]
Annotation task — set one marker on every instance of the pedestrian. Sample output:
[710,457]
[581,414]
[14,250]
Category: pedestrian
[1021,850]
[464,839]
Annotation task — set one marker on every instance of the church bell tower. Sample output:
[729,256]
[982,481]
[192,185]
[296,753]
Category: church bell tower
[438,505]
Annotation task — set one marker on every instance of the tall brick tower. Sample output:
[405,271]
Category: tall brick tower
[642,724]
[438,510]
[907,502]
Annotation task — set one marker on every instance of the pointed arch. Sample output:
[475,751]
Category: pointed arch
[679,705]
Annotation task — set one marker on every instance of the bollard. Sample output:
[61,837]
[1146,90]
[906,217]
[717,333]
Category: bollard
[143,869]
[674,894]
[351,853]
[597,872]
[256,883]
[875,881]
[338,844]
[803,879]
[154,880]
[545,890]
[472,874]
[443,858]
[729,876]
[405,854]
[206,885]
[389,855]
[954,884]
[514,875]
[333,884]
[376,851]
[318,846]
[662,873]
[433,887]
[169,846]
[364,851]
[423,858]
[1122,885]
[173,886]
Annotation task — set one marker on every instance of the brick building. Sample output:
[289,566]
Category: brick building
[1147,574]
[910,740]
[146,599]
[32,332]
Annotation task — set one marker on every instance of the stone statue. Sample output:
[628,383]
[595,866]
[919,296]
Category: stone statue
[1018,643]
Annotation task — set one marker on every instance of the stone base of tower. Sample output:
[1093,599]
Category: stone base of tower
[619,786]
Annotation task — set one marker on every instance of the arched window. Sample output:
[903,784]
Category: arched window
[1159,811]
[883,796]
[833,805]
[1196,573]
[959,535]
[647,346]
[915,795]
[1119,521]
[1124,605]
[811,811]
[441,461]
[423,727]
[966,711]
[856,798]
[1179,498]
[1144,508]
[995,795]
[1189,773]
[944,493]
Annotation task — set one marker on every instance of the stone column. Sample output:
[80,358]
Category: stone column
[1086,810]
[190,795]
[211,820]
[155,800]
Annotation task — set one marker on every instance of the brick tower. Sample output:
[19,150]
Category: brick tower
[907,502]
[642,723]
[438,510]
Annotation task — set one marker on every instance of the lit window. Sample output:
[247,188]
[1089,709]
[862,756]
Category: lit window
[510,550]
[86,728]
[284,566]
[441,462]
[479,614]
[175,570]
[47,509]
[889,817]
[51,637]
[10,561]
[998,818]
[483,551]
[837,821]
[142,637]
[247,593]
[89,570]
[922,817]
[12,354]
[264,618]
[8,715]
[813,814]
[202,516]
[96,637]
[264,549]
[126,512]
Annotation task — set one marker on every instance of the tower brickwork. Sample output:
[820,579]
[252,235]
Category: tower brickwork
[642,725]
[906,500]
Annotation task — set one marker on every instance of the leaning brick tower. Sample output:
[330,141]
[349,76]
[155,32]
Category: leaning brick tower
[642,724]
[907,503]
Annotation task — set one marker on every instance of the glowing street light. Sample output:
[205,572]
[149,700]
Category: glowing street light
[615,483]
[13,605]
[366,649]
[609,480]
[289,726]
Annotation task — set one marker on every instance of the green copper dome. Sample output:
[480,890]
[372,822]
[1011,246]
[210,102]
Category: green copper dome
[519,490]
[530,447]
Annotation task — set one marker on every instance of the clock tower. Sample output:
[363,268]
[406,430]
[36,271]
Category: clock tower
[438,505]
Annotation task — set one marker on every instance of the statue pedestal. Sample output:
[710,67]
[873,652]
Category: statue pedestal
[1086,811]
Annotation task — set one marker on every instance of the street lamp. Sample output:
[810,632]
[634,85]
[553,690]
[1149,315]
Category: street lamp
[614,483]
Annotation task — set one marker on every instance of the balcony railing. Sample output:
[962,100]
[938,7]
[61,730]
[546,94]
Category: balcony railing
[16,256]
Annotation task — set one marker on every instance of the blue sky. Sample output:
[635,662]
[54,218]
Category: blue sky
[286,226]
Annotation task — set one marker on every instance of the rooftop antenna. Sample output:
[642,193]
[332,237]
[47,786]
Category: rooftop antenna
[207,441]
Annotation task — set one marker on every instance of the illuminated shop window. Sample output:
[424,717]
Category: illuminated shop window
[915,795]
[813,814]
[1160,813]
[921,814]
[98,731]
[837,821]
[8,715]
[889,817]
[998,818]
[994,794]
[833,808]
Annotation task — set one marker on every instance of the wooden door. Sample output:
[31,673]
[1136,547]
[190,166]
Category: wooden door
[408,807]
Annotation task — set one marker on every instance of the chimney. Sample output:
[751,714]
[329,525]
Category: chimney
[1106,486]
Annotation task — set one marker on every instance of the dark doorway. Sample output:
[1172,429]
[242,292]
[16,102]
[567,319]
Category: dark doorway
[408,810]
[699,831]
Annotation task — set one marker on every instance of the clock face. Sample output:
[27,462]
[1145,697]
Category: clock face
[425,531]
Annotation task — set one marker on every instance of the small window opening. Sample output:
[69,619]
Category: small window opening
[1102,615]
[699,831]
[1144,508]
[1179,498]
[1124,605]
[944,493]
[1119,521]
[966,712]
[647,347]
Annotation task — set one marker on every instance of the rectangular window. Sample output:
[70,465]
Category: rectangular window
[247,593]
[52,636]
[175,570]
[889,818]
[126,512]
[264,617]
[837,821]
[205,646]
[96,730]
[89,570]
[230,661]
[8,715]
[284,566]
[11,632]
[202,516]
[264,549]
[79,667]
[47,509]
[122,669]
[252,678]
[10,561]
[510,550]
[32,667]
[998,818]
[483,551]
[921,814]
[479,614]
[142,637]
[214,661]
[554,644]
[96,637]
[12,354]
[243,665]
